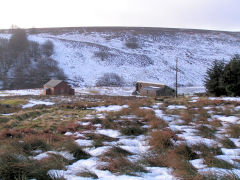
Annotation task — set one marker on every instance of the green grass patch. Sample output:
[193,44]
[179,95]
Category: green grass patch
[14,102]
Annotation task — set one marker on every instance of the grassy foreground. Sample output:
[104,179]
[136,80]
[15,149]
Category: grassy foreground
[26,133]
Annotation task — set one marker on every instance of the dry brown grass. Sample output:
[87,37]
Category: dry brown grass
[121,165]
[157,123]
[233,130]
[114,152]
[187,116]
[206,132]
[69,127]
[215,123]
[227,143]
[162,139]
[181,166]
[155,159]
[211,161]
[206,102]
[202,117]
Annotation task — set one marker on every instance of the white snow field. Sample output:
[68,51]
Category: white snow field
[86,54]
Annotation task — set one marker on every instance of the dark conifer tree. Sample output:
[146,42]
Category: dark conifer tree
[214,81]
[232,76]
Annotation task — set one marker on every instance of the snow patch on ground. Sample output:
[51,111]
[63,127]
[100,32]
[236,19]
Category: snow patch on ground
[109,108]
[84,142]
[37,102]
[44,155]
[226,98]
[109,132]
[176,107]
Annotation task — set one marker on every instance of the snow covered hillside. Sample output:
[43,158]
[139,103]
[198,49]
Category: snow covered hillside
[146,54]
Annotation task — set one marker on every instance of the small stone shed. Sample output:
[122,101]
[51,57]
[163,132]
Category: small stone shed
[57,87]
[153,89]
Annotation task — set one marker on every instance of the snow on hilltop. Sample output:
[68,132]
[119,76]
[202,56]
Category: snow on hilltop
[146,54]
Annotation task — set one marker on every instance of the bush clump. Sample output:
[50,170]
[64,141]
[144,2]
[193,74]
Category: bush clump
[110,79]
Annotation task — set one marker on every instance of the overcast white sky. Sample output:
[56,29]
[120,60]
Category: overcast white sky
[197,14]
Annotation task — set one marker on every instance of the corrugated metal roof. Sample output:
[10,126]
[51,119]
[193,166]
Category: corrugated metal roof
[144,82]
[52,83]
[149,88]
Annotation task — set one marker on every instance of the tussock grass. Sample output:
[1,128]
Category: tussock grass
[157,123]
[185,151]
[215,123]
[99,139]
[76,150]
[227,143]
[69,127]
[6,109]
[211,161]
[114,152]
[214,176]
[206,132]
[132,130]
[88,174]
[31,143]
[206,150]
[178,101]
[202,117]
[34,128]
[187,116]
[16,166]
[181,166]
[233,130]
[121,165]
[162,139]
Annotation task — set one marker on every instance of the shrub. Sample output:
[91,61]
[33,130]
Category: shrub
[132,43]
[48,48]
[103,55]
[110,79]
[18,41]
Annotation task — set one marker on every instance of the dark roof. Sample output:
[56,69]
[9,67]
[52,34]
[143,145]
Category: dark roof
[151,83]
[53,83]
